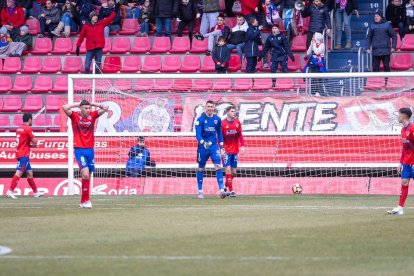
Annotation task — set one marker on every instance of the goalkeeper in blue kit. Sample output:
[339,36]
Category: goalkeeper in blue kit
[209,135]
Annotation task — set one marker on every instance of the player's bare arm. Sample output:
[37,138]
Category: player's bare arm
[67,108]
[102,108]
[33,143]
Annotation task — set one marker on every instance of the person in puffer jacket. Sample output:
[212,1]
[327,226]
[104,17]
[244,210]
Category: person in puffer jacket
[95,39]
[251,48]
[319,19]
[379,35]
[238,36]
[49,19]
[221,56]
[187,14]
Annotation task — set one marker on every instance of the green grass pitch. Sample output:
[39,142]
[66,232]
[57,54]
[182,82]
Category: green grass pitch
[181,235]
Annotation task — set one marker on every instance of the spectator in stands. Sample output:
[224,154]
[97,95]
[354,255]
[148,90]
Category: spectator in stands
[69,21]
[219,30]
[379,34]
[139,157]
[409,17]
[251,48]
[187,14]
[131,9]
[25,37]
[279,48]
[144,19]
[343,14]
[221,56]
[316,63]
[237,38]
[8,48]
[27,5]
[395,14]
[269,16]
[12,18]
[95,39]
[38,6]
[49,19]
[319,19]
[211,9]
[104,12]
[229,8]
[85,9]
[250,8]
[164,11]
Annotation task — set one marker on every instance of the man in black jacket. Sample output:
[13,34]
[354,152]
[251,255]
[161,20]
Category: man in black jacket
[379,35]
[238,36]
[319,19]
[187,14]
[164,11]
[395,14]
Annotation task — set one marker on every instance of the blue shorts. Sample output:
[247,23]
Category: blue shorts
[23,164]
[203,155]
[230,161]
[407,171]
[85,158]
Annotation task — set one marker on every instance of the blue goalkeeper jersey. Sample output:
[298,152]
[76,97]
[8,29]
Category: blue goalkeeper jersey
[208,129]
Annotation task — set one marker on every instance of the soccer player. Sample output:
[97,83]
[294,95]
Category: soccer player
[83,123]
[406,167]
[208,131]
[25,140]
[233,138]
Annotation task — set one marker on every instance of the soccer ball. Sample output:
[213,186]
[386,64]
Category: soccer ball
[297,189]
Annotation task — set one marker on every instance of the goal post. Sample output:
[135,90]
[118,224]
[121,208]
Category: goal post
[338,131]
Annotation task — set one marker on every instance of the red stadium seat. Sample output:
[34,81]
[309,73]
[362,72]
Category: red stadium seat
[22,84]
[397,83]
[191,64]
[51,65]
[12,65]
[163,84]
[34,26]
[112,64]
[178,120]
[6,84]
[294,66]
[183,85]
[43,84]
[262,84]
[73,64]
[306,22]
[121,45]
[1,103]
[108,45]
[161,45]
[53,102]
[12,103]
[171,64]
[144,85]
[403,61]
[284,85]
[123,85]
[202,85]
[42,122]
[42,46]
[408,44]
[57,121]
[61,84]
[208,65]
[32,65]
[234,63]
[152,64]
[82,48]
[375,83]
[398,42]
[17,120]
[4,122]
[132,64]
[103,84]
[141,45]
[82,85]
[222,84]
[199,46]
[299,43]
[243,84]
[62,46]
[180,45]
[129,26]
[32,103]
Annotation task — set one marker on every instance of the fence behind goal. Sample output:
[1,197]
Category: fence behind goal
[331,133]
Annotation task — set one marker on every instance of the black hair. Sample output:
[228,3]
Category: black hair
[141,138]
[406,111]
[221,38]
[221,16]
[27,117]
[84,102]
[252,20]
[210,102]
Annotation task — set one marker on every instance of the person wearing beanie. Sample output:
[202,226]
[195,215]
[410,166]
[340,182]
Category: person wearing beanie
[95,38]
[25,37]
[12,18]
[379,35]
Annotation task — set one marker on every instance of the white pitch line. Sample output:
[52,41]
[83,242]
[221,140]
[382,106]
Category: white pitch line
[200,258]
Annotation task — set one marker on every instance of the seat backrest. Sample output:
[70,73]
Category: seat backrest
[33,62]
[12,100]
[44,44]
[12,63]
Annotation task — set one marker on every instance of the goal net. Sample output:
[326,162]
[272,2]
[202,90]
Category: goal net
[334,133]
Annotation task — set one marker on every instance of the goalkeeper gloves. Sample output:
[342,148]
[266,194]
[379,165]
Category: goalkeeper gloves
[206,145]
